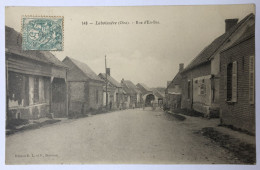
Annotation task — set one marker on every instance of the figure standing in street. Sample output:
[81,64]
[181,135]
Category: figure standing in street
[133,105]
[110,105]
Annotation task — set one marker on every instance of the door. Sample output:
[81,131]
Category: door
[58,103]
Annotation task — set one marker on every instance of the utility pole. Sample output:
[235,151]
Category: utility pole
[106,79]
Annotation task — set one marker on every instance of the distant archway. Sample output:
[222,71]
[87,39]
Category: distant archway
[148,99]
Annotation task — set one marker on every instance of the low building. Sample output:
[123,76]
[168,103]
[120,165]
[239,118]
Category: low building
[133,94]
[35,81]
[160,97]
[200,79]
[173,91]
[85,88]
[147,94]
[114,91]
[237,83]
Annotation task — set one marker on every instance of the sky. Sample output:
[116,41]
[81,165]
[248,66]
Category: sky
[142,53]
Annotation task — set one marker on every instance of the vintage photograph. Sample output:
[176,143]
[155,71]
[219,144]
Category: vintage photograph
[130,85]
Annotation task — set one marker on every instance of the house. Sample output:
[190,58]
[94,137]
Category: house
[133,94]
[114,90]
[85,88]
[35,81]
[173,91]
[200,85]
[147,94]
[159,96]
[237,83]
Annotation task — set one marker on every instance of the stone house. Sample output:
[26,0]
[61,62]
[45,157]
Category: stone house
[85,88]
[114,90]
[173,91]
[133,94]
[200,79]
[237,83]
[35,81]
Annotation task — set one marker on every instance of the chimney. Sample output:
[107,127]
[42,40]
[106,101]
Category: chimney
[108,71]
[122,81]
[230,23]
[181,66]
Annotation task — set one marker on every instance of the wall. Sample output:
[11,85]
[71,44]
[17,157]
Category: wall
[20,97]
[58,72]
[202,100]
[94,95]
[240,114]
[202,70]
[77,100]
[173,101]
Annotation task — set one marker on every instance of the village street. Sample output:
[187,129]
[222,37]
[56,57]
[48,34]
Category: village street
[128,136]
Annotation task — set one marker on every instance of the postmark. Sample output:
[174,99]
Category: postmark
[42,33]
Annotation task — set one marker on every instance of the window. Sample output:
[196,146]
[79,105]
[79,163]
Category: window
[229,82]
[96,96]
[18,89]
[202,89]
[251,80]
[117,97]
[232,82]
[36,90]
[189,86]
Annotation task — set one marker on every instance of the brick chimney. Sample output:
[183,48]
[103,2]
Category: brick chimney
[230,23]
[108,71]
[181,66]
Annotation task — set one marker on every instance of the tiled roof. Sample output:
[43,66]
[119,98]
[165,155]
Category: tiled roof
[132,86]
[85,69]
[13,44]
[129,87]
[144,86]
[176,80]
[110,79]
[205,55]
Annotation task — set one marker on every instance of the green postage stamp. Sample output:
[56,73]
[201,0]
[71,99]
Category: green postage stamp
[42,33]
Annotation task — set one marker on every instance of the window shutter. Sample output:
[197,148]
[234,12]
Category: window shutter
[251,80]
[234,82]
[225,77]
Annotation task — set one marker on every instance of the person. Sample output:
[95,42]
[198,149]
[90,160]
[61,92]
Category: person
[110,104]
[120,106]
[143,106]
[133,105]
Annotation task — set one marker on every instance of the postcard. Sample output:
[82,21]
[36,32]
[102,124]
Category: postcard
[130,85]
